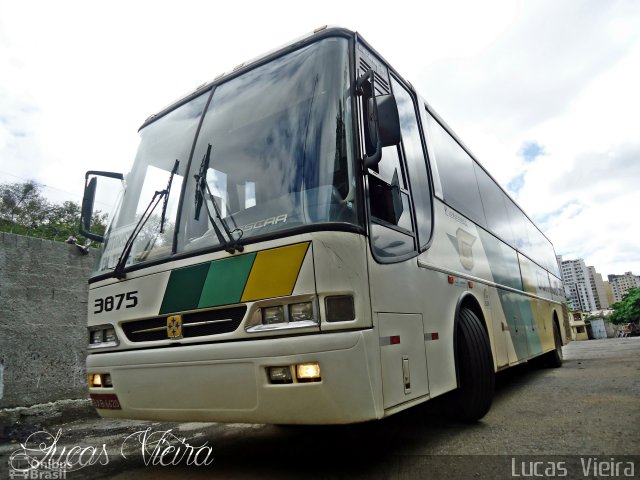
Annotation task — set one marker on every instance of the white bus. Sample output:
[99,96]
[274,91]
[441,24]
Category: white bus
[304,241]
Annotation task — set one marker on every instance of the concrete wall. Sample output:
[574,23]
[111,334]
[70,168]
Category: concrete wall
[43,335]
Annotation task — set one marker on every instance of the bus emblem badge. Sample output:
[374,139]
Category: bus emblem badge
[174,326]
[463,243]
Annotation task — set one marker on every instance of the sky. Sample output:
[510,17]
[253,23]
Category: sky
[546,94]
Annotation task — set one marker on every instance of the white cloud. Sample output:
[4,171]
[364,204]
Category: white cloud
[79,78]
[564,76]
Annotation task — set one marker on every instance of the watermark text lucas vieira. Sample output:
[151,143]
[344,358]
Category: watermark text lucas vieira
[589,467]
[42,456]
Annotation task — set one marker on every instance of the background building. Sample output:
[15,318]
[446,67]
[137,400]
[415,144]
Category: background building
[577,285]
[609,292]
[621,284]
[598,289]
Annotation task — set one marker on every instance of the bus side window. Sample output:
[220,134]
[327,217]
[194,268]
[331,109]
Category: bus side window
[392,228]
[416,162]
[456,172]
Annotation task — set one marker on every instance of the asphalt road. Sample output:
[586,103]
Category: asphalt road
[552,421]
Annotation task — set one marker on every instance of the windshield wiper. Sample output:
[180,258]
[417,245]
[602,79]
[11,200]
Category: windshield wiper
[202,190]
[118,272]
[166,196]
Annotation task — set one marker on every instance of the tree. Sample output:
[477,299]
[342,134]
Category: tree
[24,211]
[627,310]
[21,203]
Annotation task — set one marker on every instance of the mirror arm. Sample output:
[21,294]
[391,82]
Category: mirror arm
[373,160]
[91,236]
[99,173]
[368,75]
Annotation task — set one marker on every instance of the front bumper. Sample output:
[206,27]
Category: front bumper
[228,382]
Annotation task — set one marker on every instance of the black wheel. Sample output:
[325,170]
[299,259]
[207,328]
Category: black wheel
[472,400]
[553,359]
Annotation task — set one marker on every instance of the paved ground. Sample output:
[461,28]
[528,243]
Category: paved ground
[585,414]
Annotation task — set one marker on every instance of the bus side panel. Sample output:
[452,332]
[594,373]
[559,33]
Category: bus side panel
[340,262]
[405,292]
[403,358]
[520,326]
[341,268]
[458,250]
[536,281]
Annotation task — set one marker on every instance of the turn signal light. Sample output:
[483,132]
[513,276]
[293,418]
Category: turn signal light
[340,308]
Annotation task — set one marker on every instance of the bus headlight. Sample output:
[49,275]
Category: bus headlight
[271,315]
[110,335]
[102,336]
[299,312]
[95,337]
[292,315]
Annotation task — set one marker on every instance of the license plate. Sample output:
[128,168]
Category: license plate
[106,401]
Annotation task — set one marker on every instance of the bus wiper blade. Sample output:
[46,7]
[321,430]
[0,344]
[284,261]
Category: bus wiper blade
[166,197]
[118,271]
[202,191]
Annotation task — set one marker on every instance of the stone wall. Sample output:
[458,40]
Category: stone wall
[43,315]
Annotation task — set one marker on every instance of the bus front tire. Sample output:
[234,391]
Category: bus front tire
[554,358]
[472,400]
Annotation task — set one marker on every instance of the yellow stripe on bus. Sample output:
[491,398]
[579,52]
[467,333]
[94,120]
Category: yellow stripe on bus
[274,272]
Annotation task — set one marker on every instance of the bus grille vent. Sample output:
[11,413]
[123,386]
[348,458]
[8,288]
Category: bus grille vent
[198,324]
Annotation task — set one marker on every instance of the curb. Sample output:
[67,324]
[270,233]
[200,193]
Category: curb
[14,422]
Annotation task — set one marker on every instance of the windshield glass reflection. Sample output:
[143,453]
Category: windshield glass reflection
[162,143]
[281,153]
[281,159]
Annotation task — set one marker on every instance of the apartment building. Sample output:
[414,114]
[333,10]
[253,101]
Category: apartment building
[578,285]
[621,284]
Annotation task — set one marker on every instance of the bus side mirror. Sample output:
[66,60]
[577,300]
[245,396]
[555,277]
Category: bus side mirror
[384,126]
[88,200]
[388,120]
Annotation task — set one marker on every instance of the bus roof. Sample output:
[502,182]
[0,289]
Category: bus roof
[320,32]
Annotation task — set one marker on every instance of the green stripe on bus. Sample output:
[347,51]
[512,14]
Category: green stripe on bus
[533,336]
[505,270]
[184,288]
[226,280]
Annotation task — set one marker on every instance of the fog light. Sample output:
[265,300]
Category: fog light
[95,380]
[340,308]
[280,375]
[308,372]
[301,311]
[272,315]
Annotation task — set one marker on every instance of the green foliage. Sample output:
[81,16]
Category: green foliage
[627,310]
[24,211]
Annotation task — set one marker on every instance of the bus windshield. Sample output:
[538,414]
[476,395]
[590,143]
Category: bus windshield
[280,153]
[280,158]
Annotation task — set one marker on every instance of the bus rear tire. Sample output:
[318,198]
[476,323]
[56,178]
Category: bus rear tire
[472,400]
